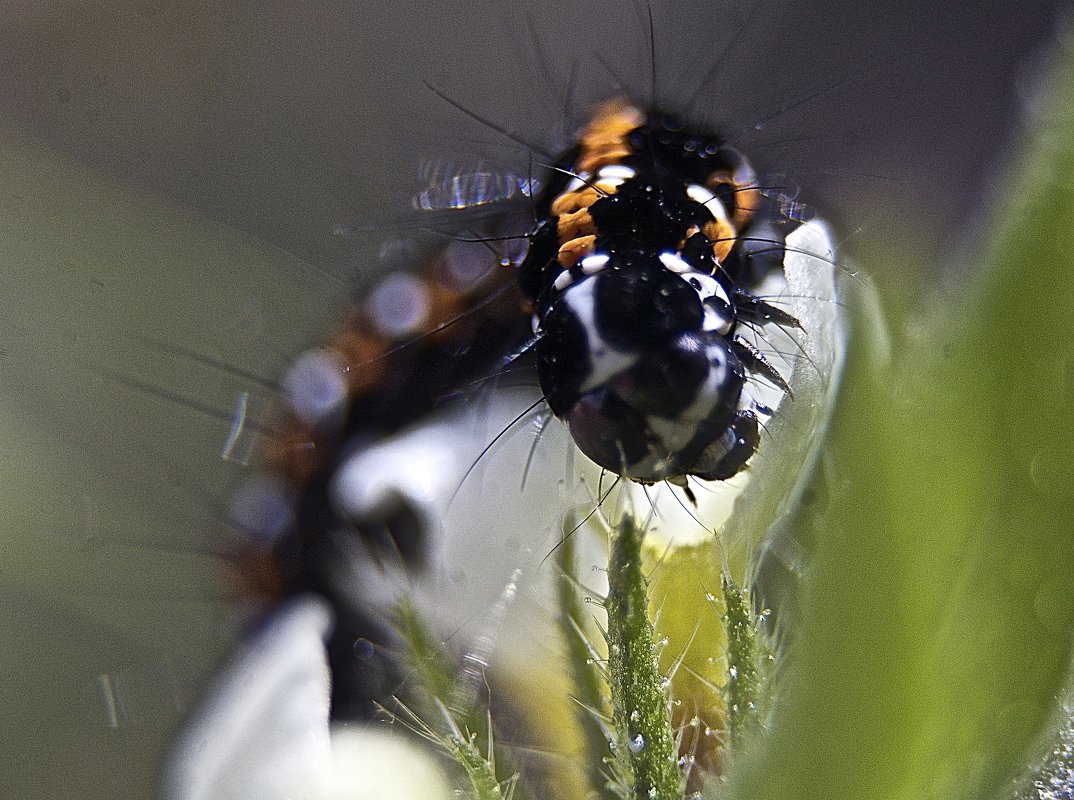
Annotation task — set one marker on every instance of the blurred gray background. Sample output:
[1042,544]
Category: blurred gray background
[283,119]
[170,181]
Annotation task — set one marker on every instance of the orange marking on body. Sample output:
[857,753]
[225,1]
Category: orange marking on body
[746,202]
[361,350]
[574,250]
[743,183]
[444,303]
[292,452]
[569,202]
[722,235]
[573,226]
[256,574]
[605,140]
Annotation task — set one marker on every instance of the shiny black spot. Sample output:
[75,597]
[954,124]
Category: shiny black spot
[609,431]
[650,209]
[562,356]
[640,305]
[667,383]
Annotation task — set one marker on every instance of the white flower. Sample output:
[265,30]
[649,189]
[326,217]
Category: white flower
[262,731]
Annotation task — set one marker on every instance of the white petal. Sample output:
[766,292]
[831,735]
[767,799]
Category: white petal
[262,729]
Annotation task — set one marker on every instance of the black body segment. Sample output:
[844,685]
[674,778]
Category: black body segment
[660,240]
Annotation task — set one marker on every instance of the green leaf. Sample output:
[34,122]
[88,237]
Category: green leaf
[937,610]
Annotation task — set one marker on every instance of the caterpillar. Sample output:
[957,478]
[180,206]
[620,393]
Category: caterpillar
[647,293]
[259,143]
[659,308]
[651,299]
[501,322]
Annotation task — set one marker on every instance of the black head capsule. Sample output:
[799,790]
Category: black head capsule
[638,350]
[625,361]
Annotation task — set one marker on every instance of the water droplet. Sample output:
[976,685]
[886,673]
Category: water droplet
[637,744]
[363,649]
[733,672]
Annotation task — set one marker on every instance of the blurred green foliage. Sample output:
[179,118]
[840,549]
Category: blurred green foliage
[934,630]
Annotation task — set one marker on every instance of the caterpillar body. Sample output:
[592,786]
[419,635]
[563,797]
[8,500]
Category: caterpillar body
[649,297]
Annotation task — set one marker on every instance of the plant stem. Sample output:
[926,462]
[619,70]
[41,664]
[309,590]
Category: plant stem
[744,676]
[639,693]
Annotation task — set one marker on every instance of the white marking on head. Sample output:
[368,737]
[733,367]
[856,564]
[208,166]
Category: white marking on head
[579,181]
[675,263]
[614,175]
[701,195]
[710,390]
[714,321]
[593,264]
[617,171]
[605,361]
[707,287]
